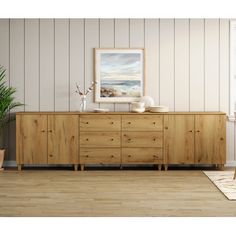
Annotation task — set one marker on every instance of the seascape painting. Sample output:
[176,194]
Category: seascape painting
[119,75]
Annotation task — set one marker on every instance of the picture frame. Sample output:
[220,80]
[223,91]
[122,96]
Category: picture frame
[119,75]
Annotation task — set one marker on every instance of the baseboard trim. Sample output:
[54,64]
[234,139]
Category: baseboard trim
[13,164]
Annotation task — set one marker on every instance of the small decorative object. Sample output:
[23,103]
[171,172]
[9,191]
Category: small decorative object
[7,102]
[83,96]
[100,110]
[119,74]
[148,101]
[159,109]
[137,107]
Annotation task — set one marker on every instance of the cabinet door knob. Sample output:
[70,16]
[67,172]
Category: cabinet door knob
[198,131]
[154,122]
[129,155]
[87,122]
[129,122]
[87,155]
[129,139]
[87,139]
[221,139]
[112,122]
[50,131]
[43,131]
[112,156]
[190,131]
[112,139]
[166,127]
[154,139]
[50,155]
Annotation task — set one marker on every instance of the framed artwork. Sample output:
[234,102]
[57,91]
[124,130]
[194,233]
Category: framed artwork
[119,75]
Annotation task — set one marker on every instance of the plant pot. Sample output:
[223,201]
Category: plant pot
[2,151]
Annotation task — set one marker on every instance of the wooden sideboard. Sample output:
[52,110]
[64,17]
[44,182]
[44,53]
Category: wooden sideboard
[120,138]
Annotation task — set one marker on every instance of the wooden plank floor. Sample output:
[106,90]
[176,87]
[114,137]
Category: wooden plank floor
[111,193]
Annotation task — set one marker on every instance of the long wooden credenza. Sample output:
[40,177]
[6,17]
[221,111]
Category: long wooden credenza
[120,138]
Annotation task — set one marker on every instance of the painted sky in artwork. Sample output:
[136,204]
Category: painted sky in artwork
[120,66]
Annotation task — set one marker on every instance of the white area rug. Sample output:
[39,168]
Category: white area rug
[224,181]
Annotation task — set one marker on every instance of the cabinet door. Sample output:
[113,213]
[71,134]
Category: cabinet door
[179,139]
[210,136]
[31,140]
[63,139]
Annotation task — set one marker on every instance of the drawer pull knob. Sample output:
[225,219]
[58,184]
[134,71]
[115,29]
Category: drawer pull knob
[154,122]
[87,122]
[43,131]
[112,139]
[50,131]
[129,139]
[155,156]
[221,139]
[129,155]
[190,131]
[166,127]
[197,131]
[50,155]
[154,139]
[129,122]
[112,122]
[87,155]
[112,156]
[87,139]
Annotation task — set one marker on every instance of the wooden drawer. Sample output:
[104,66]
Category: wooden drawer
[100,123]
[100,139]
[142,122]
[142,139]
[142,155]
[100,156]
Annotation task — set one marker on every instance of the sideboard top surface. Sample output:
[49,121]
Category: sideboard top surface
[118,113]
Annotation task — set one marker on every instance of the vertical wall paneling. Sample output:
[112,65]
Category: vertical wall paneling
[4,61]
[152,58]
[62,65]
[91,42]
[182,65]
[224,65]
[107,41]
[167,63]
[121,41]
[46,52]
[196,65]
[17,59]
[32,65]
[212,64]
[76,61]
[230,138]
[137,33]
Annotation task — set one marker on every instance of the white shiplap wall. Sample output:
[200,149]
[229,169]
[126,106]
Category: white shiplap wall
[187,63]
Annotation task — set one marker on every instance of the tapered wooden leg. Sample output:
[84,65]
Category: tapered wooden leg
[82,167]
[235,174]
[221,166]
[166,167]
[159,167]
[19,167]
[76,167]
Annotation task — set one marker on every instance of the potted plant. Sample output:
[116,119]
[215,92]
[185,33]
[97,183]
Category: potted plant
[6,104]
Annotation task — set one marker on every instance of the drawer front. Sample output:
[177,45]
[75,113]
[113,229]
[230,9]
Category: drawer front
[142,122]
[142,139]
[100,139]
[100,156]
[100,122]
[142,155]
